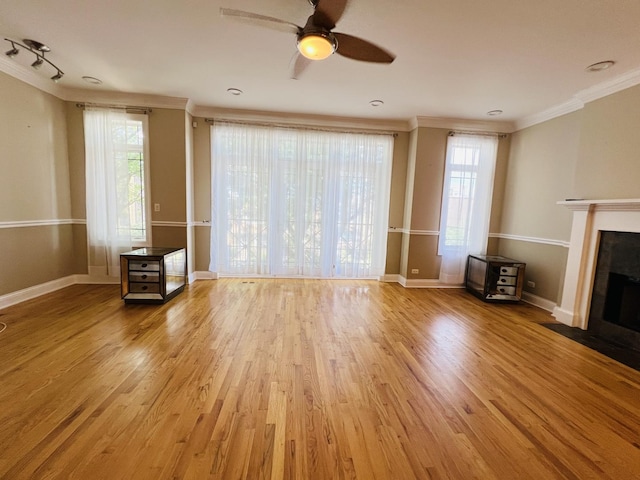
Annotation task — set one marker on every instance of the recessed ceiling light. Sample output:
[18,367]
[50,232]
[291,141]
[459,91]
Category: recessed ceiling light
[494,113]
[598,67]
[92,80]
[376,103]
[234,91]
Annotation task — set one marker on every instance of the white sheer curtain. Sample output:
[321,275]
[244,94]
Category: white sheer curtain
[296,202]
[466,202]
[107,198]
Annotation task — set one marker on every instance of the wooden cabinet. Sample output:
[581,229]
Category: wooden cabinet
[152,274]
[495,278]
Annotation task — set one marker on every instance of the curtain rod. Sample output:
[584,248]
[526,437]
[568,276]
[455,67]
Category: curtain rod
[129,109]
[482,134]
[305,127]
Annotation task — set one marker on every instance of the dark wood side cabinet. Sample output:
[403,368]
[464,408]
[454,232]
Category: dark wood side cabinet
[495,278]
[152,274]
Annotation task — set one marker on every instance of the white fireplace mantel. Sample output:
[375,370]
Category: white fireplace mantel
[590,217]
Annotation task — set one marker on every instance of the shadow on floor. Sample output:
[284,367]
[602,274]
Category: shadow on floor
[624,355]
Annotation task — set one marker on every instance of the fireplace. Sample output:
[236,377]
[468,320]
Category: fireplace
[584,302]
[614,313]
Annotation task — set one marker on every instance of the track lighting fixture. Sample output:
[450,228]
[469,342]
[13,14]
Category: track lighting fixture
[38,49]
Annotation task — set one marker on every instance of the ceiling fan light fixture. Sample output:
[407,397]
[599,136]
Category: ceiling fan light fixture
[317,45]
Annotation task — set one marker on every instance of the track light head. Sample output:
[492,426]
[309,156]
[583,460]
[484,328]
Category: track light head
[38,63]
[13,52]
[57,77]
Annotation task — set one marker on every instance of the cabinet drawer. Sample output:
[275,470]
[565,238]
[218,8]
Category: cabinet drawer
[508,270]
[507,280]
[144,288]
[506,290]
[144,276]
[145,265]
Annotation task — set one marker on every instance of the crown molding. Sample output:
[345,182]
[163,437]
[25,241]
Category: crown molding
[191,107]
[570,106]
[578,101]
[301,119]
[462,124]
[617,84]
[123,98]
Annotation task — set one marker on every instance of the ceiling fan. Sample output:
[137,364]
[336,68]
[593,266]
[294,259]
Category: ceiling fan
[316,40]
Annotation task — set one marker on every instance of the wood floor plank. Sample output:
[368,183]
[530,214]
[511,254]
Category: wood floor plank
[306,379]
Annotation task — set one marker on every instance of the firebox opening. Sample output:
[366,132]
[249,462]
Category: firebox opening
[622,301]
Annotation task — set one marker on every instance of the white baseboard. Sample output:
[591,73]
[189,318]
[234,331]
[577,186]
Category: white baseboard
[393,278]
[540,302]
[201,275]
[425,283]
[37,290]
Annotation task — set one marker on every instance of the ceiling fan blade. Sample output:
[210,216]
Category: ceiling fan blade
[359,49]
[328,12]
[262,20]
[299,64]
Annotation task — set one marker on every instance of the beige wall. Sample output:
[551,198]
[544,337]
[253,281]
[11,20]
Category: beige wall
[591,153]
[167,149]
[541,172]
[34,188]
[608,165]
[34,184]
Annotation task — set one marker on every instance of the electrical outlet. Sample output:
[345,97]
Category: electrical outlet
[531,284]
[156,207]
[415,270]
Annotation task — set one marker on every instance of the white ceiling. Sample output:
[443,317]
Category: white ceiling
[455,58]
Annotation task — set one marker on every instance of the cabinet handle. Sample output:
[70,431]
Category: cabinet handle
[144,287]
[502,280]
[144,265]
[144,276]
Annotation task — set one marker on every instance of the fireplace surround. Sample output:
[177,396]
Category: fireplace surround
[590,218]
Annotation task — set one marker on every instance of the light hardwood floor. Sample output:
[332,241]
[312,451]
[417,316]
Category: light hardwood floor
[303,379]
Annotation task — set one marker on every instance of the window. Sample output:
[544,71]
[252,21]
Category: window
[466,202]
[295,202]
[132,185]
[117,179]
